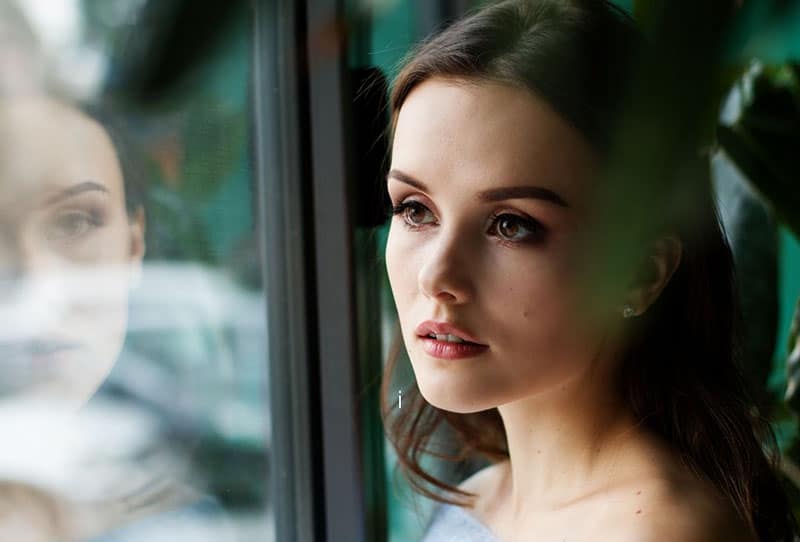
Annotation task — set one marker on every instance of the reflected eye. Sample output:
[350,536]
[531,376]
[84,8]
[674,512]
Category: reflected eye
[511,227]
[71,225]
[414,213]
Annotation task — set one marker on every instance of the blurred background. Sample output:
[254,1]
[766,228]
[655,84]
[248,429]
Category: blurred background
[215,169]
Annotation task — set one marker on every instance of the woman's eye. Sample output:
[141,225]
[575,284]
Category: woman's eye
[511,227]
[414,213]
[71,225]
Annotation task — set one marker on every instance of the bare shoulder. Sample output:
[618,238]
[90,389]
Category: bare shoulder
[683,510]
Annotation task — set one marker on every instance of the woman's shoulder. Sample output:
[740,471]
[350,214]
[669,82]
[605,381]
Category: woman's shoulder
[680,508]
[661,501]
[662,504]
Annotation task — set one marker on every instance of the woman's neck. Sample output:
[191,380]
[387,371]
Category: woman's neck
[564,444]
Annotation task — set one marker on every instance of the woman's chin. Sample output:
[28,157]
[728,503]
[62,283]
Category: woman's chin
[451,399]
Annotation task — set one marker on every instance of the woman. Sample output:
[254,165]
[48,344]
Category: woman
[604,420]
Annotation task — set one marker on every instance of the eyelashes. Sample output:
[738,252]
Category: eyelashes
[515,228]
[509,228]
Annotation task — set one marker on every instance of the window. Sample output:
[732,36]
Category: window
[136,396]
[195,312]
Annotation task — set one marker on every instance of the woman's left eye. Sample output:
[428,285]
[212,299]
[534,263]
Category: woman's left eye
[515,228]
[71,225]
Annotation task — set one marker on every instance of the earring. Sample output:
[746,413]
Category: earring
[627,311]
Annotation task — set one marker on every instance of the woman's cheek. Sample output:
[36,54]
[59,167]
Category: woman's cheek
[537,293]
[396,256]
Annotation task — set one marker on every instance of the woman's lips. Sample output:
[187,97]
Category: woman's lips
[430,327]
[451,350]
[434,336]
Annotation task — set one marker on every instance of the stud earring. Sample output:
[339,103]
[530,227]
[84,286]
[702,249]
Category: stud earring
[627,311]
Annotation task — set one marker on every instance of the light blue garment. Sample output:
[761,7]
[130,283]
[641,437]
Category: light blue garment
[451,523]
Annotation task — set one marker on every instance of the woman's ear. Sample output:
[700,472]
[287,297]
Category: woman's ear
[137,246]
[136,222]
[654,274]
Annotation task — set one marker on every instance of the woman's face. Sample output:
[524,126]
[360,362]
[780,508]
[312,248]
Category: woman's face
[490,188]
[67,250]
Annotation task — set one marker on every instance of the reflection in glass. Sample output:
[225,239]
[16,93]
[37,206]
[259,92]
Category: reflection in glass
[131,380]
[69,249]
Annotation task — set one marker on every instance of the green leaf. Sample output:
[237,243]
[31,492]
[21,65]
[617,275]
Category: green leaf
[764,141]
[793,362]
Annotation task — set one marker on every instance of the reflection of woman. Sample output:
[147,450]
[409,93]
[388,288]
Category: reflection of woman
[70,247]
[632,426]
[72,243]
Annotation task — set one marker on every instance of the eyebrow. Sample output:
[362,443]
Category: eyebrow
[493,194]
[80,188]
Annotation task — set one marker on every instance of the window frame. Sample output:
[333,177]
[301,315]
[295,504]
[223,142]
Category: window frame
[284,207]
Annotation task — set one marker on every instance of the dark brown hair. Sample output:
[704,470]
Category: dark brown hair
[679,372]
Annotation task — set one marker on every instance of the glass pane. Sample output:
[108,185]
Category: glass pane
[133,344]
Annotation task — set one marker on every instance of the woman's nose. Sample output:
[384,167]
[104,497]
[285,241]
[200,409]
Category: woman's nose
[445,274]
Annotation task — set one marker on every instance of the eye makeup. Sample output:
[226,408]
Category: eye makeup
[510,228]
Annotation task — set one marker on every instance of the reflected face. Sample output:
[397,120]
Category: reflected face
[67,250]
[489,187]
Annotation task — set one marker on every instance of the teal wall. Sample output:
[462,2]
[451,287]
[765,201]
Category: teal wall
[789,293]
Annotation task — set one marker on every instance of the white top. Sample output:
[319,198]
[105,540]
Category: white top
[451,523]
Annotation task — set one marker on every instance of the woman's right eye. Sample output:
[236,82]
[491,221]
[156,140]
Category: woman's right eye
[414,213]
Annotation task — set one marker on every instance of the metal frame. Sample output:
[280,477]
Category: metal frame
[284,204]
[329,114]
[316,470]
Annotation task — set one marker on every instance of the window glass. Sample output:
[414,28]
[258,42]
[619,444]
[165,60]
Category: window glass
[133,344]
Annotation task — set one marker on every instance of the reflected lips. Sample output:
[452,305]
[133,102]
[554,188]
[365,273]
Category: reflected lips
[36,347]
[26,363]
[445,349]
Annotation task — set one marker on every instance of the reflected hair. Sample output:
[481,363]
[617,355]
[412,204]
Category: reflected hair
[131,162]
[679,373]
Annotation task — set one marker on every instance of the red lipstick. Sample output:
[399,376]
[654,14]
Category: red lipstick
[465,345]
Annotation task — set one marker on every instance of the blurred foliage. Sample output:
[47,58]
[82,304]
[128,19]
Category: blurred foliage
[677,88]
[760,134]
[701,55]
[768,30]
[752,232]
[793,362]
[762,139]
[766,137]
